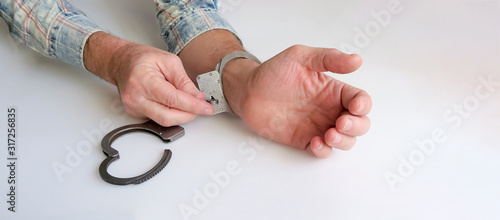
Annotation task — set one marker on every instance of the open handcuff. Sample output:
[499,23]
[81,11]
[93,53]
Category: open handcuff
[209,83]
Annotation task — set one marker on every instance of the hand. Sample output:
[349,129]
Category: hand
[289,100]
[152,82]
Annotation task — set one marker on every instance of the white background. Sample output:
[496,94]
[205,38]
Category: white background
[425,60]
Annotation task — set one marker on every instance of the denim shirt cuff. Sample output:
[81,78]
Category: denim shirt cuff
[68,35]
[192,25]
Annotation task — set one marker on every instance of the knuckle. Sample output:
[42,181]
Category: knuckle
[154,89]
[161,92]
[171,100]
[169,121]
[128,101]
[297,48]
[129,111]
[334,50]
[166,122]
[184,81]
[173,60]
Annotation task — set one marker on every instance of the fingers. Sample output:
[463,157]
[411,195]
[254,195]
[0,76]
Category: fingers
[157,99]
[326,59]
[179,78]
[155,84]
[164,115]
[357,101]
[347,128]
[352,125]
[166,94]
[143,108]
[323,148]
[135,114]
[342,136]
[334,138]
[318,148]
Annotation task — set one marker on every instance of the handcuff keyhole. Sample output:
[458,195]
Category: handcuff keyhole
[213,101]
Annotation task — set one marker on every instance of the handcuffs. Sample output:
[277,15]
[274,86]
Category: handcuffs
[167,134]
[209,83]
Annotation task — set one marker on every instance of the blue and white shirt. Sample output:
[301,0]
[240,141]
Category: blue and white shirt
[59,30]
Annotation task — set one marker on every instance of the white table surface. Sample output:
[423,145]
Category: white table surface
[425,69]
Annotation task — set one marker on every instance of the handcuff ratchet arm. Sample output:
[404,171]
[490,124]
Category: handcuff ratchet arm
[167,134]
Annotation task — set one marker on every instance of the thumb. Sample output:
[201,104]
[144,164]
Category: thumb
[178,77]
[327,59]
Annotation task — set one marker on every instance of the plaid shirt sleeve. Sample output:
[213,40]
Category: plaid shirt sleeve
[52,27]
[183,20]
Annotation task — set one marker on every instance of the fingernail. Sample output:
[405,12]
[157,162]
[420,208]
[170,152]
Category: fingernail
[336,140]
[320,146]
[360,108]
[208,111]
[347,127]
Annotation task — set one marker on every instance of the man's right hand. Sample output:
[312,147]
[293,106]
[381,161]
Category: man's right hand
[152,82]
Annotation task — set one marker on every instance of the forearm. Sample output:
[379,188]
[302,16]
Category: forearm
[53,28]
[203,53]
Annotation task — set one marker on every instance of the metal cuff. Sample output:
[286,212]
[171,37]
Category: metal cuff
[211,83]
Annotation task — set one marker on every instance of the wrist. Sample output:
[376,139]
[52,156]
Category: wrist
[99,51]
[203,53]
[236,77]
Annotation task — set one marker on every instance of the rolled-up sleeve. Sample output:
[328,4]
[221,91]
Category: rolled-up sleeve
[54,28]
[181,21]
